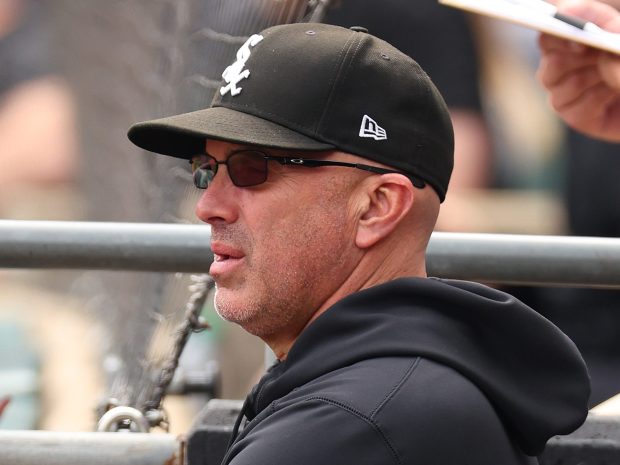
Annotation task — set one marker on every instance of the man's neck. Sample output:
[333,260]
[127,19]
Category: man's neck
[368,273]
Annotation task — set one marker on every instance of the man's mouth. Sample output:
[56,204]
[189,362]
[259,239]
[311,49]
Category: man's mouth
[225,259]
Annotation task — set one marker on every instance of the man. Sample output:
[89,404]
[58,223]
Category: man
[584,83]
[328,153]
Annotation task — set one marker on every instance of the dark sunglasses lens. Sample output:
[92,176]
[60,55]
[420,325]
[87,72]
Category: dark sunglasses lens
[247,168]
[202,178]
[203,171]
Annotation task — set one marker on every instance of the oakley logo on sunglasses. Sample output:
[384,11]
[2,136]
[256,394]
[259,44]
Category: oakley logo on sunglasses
[235,72]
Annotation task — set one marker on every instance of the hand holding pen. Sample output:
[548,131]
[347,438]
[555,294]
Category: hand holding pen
[550,9]
[583,82]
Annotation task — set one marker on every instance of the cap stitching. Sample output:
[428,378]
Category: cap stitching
[335,80]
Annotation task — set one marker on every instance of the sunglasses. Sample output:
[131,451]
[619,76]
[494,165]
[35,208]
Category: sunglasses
[248,168]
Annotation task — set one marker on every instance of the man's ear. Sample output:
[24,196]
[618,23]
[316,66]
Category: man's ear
[388,198]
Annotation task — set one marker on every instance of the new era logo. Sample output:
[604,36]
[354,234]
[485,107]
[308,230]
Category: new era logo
[370,128]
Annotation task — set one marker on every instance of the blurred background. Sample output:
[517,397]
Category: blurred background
[75,75]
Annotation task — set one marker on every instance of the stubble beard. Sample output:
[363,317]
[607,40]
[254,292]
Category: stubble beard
[280,299]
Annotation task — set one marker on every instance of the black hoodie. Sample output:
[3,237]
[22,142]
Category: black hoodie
[417,371]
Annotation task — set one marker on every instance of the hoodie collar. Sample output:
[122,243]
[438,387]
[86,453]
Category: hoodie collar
[526,366]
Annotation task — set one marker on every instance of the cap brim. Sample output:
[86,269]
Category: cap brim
[184,135]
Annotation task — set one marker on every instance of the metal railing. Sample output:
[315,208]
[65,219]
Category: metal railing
[498,258]
[61,448]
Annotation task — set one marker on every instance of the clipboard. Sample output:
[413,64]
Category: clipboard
[523,16]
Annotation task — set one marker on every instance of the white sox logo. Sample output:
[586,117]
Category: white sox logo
[235,72]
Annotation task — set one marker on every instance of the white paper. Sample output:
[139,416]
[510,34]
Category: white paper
[518,14]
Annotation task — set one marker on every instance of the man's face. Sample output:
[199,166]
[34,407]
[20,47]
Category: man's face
[281,248]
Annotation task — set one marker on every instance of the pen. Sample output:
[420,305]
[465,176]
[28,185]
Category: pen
[550,10]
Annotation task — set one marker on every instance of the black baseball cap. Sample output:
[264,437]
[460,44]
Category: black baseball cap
[317,87]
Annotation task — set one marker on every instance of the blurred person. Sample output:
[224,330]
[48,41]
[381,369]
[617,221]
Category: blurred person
[442,41]
[37,151]
[325,156]
[36,108]
[584,89]
[589,316]
[583,82]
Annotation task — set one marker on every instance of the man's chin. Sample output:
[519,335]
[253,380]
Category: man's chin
[229,305]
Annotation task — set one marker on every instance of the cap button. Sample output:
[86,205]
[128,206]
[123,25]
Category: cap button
[359,29]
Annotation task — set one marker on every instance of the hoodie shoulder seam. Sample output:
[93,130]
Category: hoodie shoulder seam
[364,418]
[396,387]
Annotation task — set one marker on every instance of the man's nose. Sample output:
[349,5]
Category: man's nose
[218,201]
